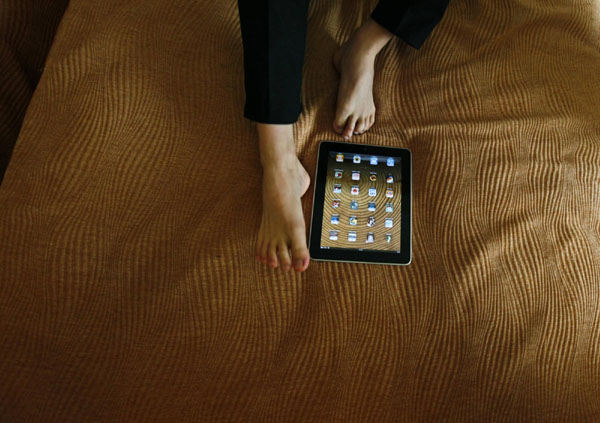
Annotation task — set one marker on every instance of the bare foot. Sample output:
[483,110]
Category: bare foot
[355,110]
[282,228]
[355,61]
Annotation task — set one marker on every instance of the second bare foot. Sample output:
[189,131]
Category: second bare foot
[355,109]
[355,61]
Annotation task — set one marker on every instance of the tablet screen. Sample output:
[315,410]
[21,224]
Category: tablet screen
[362,207]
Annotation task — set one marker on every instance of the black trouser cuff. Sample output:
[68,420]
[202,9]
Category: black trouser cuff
[410,21]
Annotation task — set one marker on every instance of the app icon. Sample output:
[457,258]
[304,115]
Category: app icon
[338,174]
[355,175]
[389,192]
[335,203]
[389,207]
[354,205]
[353,220]
[339,157]
[372,192]
[388,238]
[371,207]
[356,158]
[333,235]
[389,222]
[337,188]
[390,179]
[370,237]
[352,236]
[335,219]
[390,161]
[370,221]
[354,190]
[373,160]
[372,176]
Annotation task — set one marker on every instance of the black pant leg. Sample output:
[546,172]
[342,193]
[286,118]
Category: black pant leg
[273,37]
[411,20]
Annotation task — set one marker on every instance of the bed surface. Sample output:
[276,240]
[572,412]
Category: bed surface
[129,290]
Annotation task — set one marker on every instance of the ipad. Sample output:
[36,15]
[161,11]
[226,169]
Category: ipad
[361,204]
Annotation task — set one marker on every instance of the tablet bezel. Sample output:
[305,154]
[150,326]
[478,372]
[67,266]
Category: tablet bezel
[316,223]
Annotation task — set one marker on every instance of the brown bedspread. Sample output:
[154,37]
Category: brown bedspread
[129,290]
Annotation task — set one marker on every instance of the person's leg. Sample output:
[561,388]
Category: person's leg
[412,21]
[273,37]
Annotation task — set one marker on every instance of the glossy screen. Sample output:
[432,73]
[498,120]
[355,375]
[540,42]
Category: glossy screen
[365,213]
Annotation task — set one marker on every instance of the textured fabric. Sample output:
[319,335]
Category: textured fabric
[129,290]
[27,28]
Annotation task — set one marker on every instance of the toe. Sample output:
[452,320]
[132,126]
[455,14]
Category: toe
[339,122]
[360,126]
[367,124]
[301,259]
[272,255]
[284,256]
[300,255]
[349,128]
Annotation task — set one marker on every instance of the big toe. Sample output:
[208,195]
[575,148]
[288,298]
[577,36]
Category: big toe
[301,260]
[300,255]
[339,123]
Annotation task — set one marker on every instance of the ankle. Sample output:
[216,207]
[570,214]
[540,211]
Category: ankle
[370,38]
[276,144]
[274,169]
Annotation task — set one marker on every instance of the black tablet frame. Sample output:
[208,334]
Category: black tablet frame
[404,257]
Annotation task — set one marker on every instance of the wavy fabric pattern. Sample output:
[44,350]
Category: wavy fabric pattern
[130,209]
